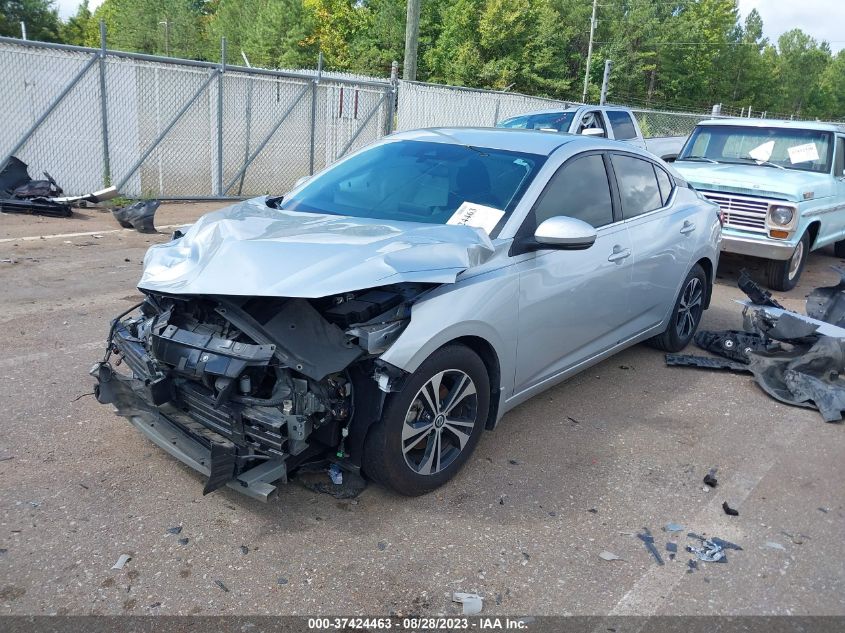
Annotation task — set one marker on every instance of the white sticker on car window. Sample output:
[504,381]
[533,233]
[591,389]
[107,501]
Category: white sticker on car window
[763,152]
[477,215]
[803,153]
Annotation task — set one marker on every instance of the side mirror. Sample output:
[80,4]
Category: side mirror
[592,131]
[558,233]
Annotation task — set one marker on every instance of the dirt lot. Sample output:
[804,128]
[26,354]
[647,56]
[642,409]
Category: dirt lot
[573,472]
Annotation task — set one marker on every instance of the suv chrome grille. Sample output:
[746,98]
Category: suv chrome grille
[740,212]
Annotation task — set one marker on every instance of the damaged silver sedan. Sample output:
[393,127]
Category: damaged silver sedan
[387,311]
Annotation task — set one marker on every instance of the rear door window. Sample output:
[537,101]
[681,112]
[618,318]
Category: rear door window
[579,189]
[665,184]
[623,126]
[638,188]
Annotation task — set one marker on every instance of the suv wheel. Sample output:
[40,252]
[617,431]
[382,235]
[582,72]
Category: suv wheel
[686,314]
[429,429]
[784,275]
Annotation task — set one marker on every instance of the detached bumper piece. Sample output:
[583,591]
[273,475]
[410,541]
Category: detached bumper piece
[796,359]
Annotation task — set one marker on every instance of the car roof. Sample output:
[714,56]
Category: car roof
[571,108]
[791,125]
[527,141]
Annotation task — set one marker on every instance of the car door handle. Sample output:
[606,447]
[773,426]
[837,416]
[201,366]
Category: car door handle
[619,254]
[687,228]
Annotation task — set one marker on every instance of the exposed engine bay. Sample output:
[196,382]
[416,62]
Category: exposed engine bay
[259,385]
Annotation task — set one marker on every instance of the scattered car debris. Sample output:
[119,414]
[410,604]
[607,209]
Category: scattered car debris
[244,550]
[138,215]
[183,541]
[282,580]
[605,555]
[220,584]
[796,359]
[472,602]
[646,537]
[382,546]
[174,530]
[514,462]
[672,548]
[673,527]
[316,478]
[710,478]
[712,550]
[827,303]
[19,193]
[729,510]
[775,545]
[121,561]
[336,474]
[692,565]
[759,296]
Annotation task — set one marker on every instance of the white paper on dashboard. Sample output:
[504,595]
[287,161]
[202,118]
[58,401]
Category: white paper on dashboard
[763,152]
[803,153]
[477,215]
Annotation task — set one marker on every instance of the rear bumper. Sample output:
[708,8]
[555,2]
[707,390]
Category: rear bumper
[187,440]
[756,246]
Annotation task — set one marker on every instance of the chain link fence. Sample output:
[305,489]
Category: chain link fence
[163,128]
[158,127]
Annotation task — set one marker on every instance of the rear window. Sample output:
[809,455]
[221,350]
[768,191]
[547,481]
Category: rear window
[638,186]
[623,126]
[557,121]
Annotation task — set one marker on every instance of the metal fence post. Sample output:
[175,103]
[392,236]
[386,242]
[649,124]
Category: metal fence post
[392,91]
[104,110]
[316,82]
[496,113]
[248,122]
[220,117]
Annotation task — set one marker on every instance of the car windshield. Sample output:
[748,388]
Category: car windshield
[418,181]
[558,121]
[806,150]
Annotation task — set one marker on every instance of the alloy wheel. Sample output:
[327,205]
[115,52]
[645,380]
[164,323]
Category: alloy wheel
[439,422]
[689,308]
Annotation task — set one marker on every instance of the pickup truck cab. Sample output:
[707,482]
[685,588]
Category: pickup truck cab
[780,186]
[612,122]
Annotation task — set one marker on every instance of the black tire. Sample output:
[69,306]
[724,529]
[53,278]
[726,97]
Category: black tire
[686,314]
[839,249]
[385,459]
[784,275]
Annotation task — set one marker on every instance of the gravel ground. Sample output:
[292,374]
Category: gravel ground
[574,472]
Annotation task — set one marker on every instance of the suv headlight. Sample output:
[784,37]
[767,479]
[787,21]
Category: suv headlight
[782,216]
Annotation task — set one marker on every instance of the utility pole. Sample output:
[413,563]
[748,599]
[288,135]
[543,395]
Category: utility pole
[590,51]
[166,24]
[412,35]
[605,82]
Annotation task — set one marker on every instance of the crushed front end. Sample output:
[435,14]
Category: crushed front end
[245,390]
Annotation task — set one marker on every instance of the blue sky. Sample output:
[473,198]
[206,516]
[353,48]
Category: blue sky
[822,19]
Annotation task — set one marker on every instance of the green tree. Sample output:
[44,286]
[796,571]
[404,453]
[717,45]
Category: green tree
[75,30]
[40,16]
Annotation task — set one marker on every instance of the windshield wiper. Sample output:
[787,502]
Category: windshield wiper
[762,162]
[703,159]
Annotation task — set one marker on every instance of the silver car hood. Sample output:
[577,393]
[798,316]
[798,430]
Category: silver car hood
[249,249]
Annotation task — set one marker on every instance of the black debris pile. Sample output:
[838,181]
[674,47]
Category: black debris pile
[138,215]
[796,359]
[19,193]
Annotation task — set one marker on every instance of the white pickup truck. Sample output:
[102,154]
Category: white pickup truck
[611,122]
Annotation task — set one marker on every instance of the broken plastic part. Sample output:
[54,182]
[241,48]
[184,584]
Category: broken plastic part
[121,561]
[472,602]
[828,302]
[648,540]
[138,215]
[758,295]
[605,555]
[729,510]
